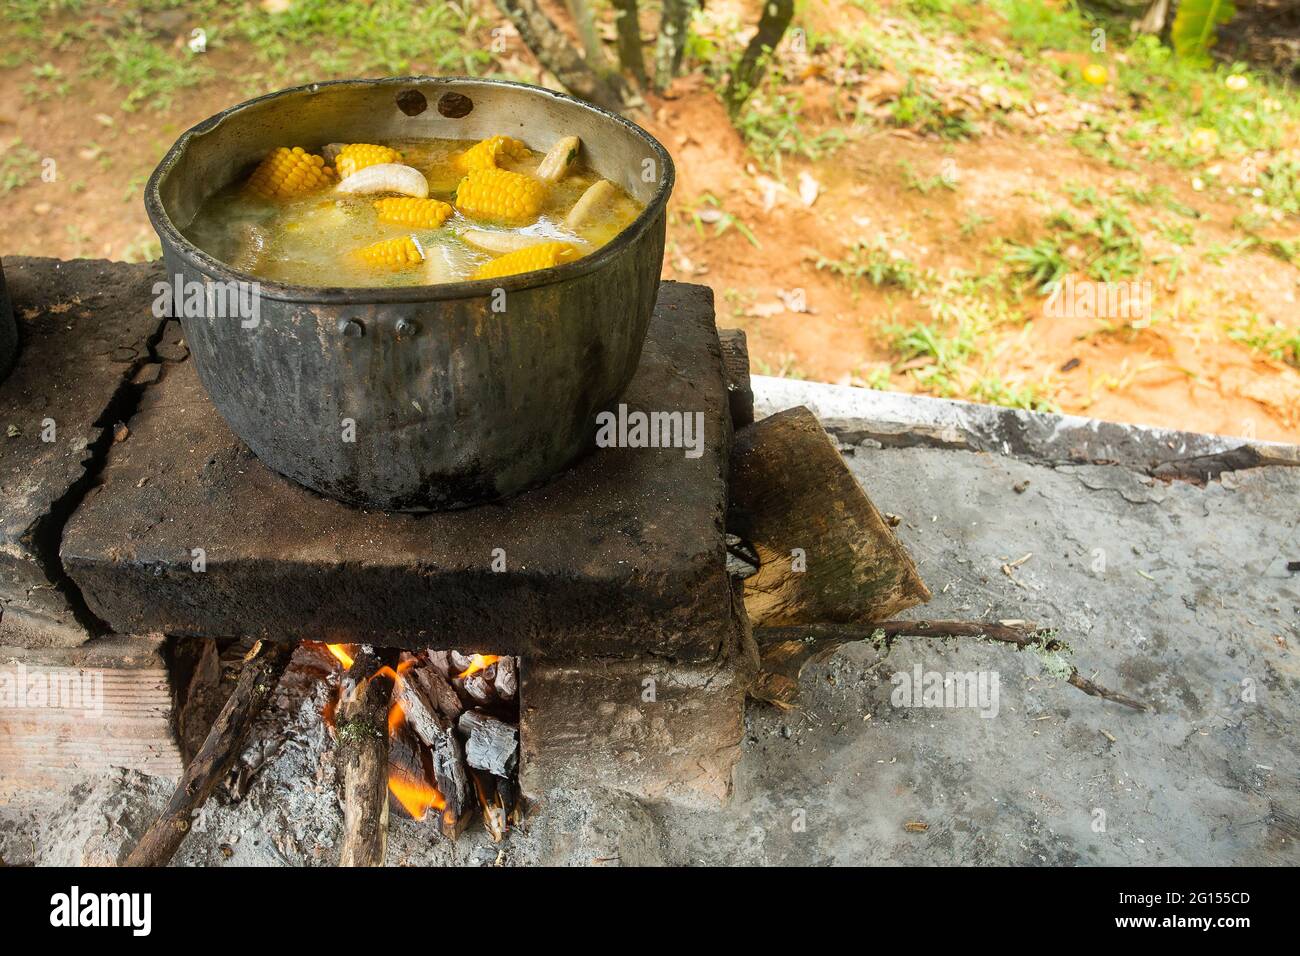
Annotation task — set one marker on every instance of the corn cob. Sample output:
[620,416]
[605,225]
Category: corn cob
[289,172]
[484,155]
[500,195]
[357,156]
[400,253]
[542,256]
[415,213]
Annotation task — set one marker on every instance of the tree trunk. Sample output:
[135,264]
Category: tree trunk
[556,54]
[673,26]
[772,25]
[631,57]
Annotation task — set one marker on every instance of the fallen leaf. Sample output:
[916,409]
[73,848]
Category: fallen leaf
[809,188]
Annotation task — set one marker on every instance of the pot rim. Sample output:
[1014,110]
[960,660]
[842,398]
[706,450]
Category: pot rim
[470,288]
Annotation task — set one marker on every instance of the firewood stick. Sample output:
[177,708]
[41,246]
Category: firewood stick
[786,650]
[262,668]
[362,721]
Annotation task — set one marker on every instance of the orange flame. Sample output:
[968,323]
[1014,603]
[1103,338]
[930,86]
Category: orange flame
[340,652]
[415,796]
[396,717]
[477,663]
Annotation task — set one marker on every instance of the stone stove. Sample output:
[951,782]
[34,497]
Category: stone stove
[147,521]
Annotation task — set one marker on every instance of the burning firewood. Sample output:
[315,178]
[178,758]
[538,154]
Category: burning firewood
[362,722]
[262,668]
[435,728]
[492,745]
[506,682]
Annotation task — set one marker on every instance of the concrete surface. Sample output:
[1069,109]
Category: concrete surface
[1175,592]
[86,329]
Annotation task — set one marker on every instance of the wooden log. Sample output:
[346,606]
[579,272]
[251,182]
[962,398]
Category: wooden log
[437,731]
[554,52]
[735,366]
[506,682]
[826,555]
[441,661]
[434,689]
[203,696]
[362,721]
[478,688]
[491,745]
[263,665]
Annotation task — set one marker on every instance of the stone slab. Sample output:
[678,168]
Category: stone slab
[85,327]
[621,556]
[656,730]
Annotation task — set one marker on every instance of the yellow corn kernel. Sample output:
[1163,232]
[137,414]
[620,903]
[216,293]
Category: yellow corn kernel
[415,213]
[500,195]
[289,172]
[357,156]
[400,253]
[484,155]
[541,256]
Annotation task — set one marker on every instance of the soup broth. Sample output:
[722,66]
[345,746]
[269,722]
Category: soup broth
[314,238]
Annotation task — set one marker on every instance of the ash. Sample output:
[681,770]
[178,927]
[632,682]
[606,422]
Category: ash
[278,807]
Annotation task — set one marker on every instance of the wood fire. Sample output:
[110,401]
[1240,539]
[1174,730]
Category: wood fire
[450,743]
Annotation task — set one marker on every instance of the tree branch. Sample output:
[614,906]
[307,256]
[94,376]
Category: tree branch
[787,650]
[261,672]
[556,54]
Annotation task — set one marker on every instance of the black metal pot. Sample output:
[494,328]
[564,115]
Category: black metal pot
[451,402]
[8,330]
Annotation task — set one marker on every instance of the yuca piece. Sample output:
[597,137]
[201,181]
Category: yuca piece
[541,256]
[358,156]
[500,242]
[386,178]
[590,203]
[500,195]
[555,165]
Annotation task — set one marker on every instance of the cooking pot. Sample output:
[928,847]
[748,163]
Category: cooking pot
[417,397]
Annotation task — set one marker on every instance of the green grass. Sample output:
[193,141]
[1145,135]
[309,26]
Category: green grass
[313,39]
[917,108]
[19,165]
[1043,263]
[1273,339]
[993,390]
[925,184]
[769,124]
[883,268]
[1280,182]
